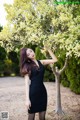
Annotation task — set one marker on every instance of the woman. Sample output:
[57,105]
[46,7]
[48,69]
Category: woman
[33,72]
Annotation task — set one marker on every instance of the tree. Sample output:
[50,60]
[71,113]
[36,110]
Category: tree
[5,38]
[40,23]
[1,28]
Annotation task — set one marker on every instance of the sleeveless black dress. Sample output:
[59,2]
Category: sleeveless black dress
[37,90]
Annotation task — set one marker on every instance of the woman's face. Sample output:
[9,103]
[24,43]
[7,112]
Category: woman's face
[30,53]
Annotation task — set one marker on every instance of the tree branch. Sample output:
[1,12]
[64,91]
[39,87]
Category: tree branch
[65,65]
[53,68]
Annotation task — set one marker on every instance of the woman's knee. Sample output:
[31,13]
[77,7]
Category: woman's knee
[42,115]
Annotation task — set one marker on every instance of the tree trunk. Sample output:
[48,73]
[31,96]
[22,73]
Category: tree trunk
[57,74]
[58,95]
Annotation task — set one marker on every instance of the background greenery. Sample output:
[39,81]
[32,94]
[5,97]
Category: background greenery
[33,24]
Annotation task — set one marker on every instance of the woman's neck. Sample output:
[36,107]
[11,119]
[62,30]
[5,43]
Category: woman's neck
[34,60]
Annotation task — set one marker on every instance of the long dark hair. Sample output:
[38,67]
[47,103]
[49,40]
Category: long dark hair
[25,63]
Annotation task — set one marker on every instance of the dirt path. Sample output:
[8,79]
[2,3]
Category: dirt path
[12,99]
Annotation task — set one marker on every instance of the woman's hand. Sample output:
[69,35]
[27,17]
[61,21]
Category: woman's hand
[28,104]
[46,47]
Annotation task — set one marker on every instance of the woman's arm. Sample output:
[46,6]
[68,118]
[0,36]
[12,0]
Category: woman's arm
[49,61]
[27,83]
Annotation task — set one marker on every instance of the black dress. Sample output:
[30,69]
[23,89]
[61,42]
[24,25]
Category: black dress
[37,90]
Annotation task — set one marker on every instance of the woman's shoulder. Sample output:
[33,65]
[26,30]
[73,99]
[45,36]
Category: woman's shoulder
[41,61]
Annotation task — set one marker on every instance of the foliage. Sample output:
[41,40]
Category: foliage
[9,63]
[13,56]
[16,69]
[65,83]
[1,28]
[41,22]
[2,53]
[39,54]
[5,37]
[73,76]
[2,67]
[8,66]
[69,2]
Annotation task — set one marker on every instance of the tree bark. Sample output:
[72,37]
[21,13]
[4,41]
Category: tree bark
[58,95]
[57,74]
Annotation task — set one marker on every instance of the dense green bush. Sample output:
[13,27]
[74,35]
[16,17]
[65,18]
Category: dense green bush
[8,67]
[2,58]
[64,80]
[1,28]
[15,68]
[13,56]
[48,76]
[2,67]
[73,74]
[9,63]
[2,54]
[65,83]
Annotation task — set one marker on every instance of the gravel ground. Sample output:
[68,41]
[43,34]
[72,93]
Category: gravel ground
[12,99]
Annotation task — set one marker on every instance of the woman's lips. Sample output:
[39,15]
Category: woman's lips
[32,55]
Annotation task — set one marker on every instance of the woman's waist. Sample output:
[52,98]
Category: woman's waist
[36,83]
[35,88]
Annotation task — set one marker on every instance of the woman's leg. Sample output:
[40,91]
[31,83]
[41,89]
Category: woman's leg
[31,116]
[42,115]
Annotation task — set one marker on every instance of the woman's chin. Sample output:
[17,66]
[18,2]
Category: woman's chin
[33,57]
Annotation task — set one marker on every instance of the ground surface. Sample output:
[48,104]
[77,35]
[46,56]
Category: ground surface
[12,99]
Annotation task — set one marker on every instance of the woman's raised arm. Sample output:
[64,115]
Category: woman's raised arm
[49,61]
